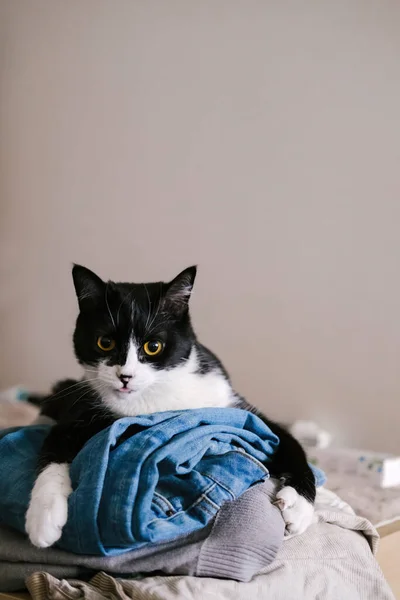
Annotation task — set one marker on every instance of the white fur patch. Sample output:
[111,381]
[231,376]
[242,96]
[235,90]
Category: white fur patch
[48,508]
[297,512]
[132,361]
[156,390]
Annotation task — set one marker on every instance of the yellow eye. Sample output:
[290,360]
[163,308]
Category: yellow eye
[105,343]
[153,348]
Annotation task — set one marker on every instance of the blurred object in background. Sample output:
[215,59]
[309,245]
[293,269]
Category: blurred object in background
[310,435]
[14,410]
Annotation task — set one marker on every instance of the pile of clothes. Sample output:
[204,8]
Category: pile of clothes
[185,492]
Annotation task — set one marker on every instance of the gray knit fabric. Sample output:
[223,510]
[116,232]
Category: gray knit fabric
[241,543]
[244,537]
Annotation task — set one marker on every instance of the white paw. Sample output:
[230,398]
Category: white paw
[297,512]
[48,508]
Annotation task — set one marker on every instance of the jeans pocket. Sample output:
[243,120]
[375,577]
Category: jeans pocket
[162,507]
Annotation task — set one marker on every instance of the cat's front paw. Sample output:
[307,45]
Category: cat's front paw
[48,508]
[297,512]
[45,520]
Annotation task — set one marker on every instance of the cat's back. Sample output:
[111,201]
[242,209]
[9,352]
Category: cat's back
[209,362]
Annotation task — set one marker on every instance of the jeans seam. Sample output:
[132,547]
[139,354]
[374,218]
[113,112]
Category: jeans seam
[162,500]
[253,459]
[213,504]
[217,482]
[195,503]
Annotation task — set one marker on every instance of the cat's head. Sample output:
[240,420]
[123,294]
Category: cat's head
[130,337]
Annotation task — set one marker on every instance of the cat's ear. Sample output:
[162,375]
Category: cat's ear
[88,286]
[179,290]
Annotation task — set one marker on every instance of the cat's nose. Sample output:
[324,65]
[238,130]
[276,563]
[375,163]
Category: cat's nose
[125,379]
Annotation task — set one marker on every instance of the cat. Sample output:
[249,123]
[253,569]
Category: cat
[140,355]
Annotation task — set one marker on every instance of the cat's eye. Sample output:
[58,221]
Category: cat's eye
[105,343]
[153,348]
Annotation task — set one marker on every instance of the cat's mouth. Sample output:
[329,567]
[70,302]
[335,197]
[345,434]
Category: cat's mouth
[124,390]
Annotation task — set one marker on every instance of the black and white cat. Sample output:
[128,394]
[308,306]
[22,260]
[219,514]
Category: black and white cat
[140,355]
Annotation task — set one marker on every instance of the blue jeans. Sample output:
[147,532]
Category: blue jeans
[145,479]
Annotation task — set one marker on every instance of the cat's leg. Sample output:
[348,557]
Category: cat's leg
[48,508]
[297,495]
[289,464]
[297,511]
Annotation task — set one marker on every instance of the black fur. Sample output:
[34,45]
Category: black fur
[121,310]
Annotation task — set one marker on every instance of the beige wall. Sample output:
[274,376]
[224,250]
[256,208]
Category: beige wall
[258,139]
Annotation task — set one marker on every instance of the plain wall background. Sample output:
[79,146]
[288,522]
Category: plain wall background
[258,139]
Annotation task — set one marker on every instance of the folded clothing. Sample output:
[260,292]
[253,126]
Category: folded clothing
[243,538]
[331,560]
[144,480]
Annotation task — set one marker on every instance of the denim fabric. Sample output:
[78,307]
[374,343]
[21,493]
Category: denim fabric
[146,479]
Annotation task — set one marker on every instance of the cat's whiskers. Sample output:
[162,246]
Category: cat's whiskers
[149,311]
[108,306]
[62,392]
[158,326]
[156,314]
[96,387]
[78,399]
[101,384]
